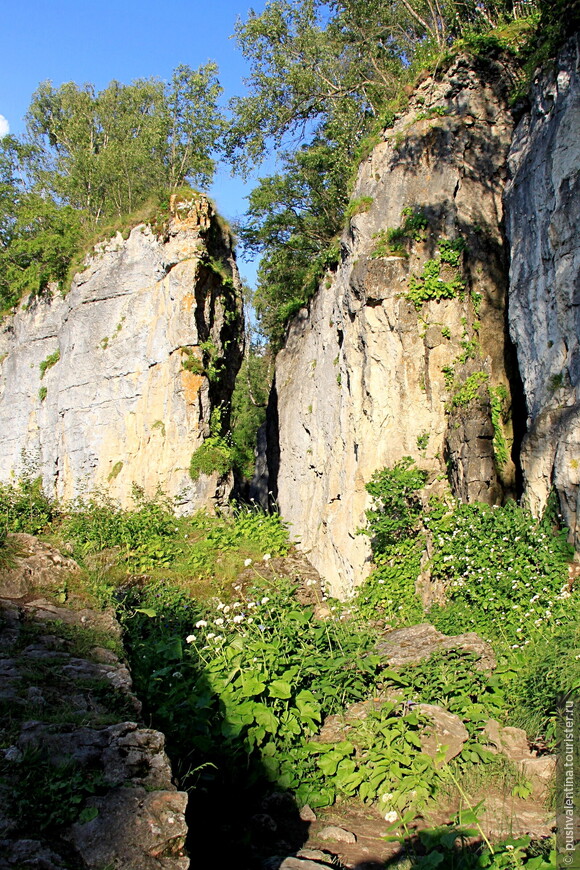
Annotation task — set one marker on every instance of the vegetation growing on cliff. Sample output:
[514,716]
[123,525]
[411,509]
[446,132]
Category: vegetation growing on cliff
[91,156]
[327,78]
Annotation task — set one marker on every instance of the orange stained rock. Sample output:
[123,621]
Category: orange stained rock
[192,384]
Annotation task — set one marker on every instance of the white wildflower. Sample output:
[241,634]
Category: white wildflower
[219,622]
[190,638]
[238,618]
[201,624]
[391,816]
[266,557]
[264,600]
[247,563]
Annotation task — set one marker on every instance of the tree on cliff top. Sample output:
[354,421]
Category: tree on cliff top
[322,76]
[105,152]
[91,156]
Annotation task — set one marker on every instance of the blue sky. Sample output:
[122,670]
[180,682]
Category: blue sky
[76,40]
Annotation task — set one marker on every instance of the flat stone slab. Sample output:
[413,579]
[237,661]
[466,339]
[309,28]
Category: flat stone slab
[415,643]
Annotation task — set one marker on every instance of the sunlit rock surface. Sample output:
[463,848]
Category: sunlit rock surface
[118,407]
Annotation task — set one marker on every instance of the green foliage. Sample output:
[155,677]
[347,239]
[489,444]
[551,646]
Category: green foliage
[293,221]
[499,398]
[24,506]
[46,796]
[249,403]
[214,455]
[97,523]
[393,525]
[546,671]
[469,390]
[150,538]
[360,205]
[104,151]
[50,361]
[423,441]
[90,156]
[396,240]
[389,591]
[433,112]
[505,574]
[248,679]
[429,285]
[452,847]
[451,678]
[397,507]
[115,470]
[191,362]
[205,359]
[42,393]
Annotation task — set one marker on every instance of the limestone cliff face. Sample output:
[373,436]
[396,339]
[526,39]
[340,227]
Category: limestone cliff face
[542,220]
[366,377]
[108,386]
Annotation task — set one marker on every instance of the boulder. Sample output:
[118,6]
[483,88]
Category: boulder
[415,643]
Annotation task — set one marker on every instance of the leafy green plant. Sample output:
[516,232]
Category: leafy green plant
[191,362]
[499,397]
[115,470]
[50,361]
[24,507]
[462,845]
[504,572]
[423,441]
[433,112]
[396,240]
[429,285]
[469,390]
[251,677]
[214,455]
[396,507]
[42,393]
[46,796]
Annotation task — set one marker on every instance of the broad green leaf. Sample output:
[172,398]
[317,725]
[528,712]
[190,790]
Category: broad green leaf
[280,689]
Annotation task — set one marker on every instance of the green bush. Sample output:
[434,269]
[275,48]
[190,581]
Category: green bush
[214,455]
[24,507]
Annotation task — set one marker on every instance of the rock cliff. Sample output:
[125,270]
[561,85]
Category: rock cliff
[115,383]
[542,219]
[405,349]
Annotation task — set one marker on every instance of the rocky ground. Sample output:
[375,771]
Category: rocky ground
[82,783]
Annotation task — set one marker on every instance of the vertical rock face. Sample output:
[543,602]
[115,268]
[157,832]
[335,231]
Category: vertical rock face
[366,376]
[115,383]
[542,219]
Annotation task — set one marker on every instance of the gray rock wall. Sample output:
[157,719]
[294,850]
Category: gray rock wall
[118,407]
[360,382]
[542,220]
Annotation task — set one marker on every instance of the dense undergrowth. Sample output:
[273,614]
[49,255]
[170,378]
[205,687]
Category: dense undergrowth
[240,675]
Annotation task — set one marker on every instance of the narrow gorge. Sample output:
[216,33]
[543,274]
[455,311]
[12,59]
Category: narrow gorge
[361,657]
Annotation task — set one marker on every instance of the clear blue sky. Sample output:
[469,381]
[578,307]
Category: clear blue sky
[76,40]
